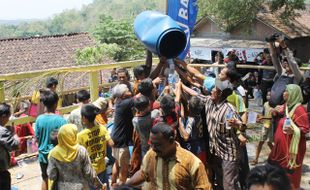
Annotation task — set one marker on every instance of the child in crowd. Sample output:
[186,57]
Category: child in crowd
[267,130]
[8,142]
[169,112]
[46,129]
[192,131]
[142,121]
[148,89]
[37,107]
[102,119]
[103,111]
[23,130]
[83,97]
[95,138]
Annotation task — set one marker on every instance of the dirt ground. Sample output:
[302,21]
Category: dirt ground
[31,179]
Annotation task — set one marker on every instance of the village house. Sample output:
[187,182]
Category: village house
[207,38]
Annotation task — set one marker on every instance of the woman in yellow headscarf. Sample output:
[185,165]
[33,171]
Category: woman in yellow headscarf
[69,165]
[289,140]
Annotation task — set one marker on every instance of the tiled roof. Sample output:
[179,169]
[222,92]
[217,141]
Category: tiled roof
[39,53]
[297,27]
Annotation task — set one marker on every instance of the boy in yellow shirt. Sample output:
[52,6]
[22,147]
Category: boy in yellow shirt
[95,138]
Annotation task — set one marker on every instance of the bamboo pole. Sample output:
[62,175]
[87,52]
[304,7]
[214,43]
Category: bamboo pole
[244,66]
[28,119]
[26,155]
[65,92]
[2,94]
[84,68]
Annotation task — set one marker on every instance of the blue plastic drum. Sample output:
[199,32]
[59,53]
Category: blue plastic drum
[160,34]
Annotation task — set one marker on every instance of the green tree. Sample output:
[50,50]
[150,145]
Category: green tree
[83,20]
[287,7]
[98,54]
[119,32]
[32,29]
[229,14]
[7,31]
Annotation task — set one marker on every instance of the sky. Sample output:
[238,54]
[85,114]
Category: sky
[36,9]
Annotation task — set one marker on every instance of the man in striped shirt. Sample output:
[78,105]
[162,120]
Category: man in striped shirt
[223,123]
[167,166]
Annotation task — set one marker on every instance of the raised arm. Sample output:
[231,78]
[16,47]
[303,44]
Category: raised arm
[178,92]
[189,91]
[194,72]
[292,62]
[274,57]
[184,132]
[148,62]
[160,67]
[185,77]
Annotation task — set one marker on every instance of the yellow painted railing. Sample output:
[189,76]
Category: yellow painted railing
[93,71]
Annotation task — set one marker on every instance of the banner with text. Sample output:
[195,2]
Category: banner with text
[184,12]
[205,53]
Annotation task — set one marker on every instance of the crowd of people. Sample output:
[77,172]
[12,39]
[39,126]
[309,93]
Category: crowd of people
[187,129]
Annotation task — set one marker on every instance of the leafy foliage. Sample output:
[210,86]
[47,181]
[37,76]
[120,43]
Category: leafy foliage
[110,22]
[229,14]
[83,20]
[95,55]
[287,7]
[119,32]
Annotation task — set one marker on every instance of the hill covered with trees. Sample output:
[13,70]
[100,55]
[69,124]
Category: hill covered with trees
[111,23]
[84,20]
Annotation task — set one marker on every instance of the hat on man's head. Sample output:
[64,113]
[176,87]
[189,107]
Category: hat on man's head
[119,90]
[230,50]
[222,85]
[209,83]
[101,103]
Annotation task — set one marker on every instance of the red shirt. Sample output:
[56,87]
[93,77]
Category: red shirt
[171,119]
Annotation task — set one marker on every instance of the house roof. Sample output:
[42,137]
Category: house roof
[296,27]
[40,53]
